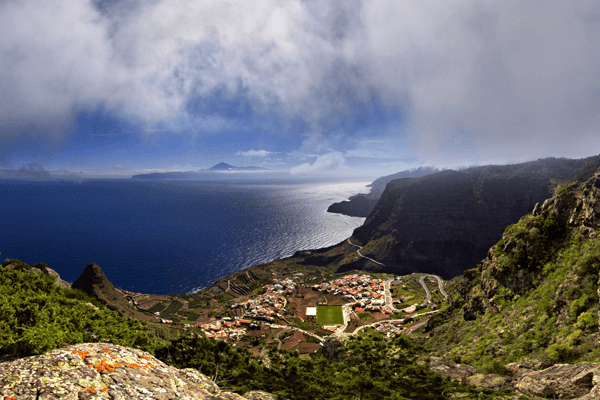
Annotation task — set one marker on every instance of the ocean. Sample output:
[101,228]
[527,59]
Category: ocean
[167,237]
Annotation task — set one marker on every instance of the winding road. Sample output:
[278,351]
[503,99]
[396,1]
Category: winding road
[440,285]
[359,253]
[427,292]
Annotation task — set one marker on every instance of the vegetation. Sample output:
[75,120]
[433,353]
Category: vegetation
[534,297]
[37,316]
[367,368]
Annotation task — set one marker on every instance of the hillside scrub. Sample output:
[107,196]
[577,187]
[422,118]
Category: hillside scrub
[364,368]
[37,316]
[536,294]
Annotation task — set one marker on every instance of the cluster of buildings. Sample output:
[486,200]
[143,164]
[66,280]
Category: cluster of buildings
[390,327]
[270,304]
[367,293]
[354,287]
[227,329]
[285,286]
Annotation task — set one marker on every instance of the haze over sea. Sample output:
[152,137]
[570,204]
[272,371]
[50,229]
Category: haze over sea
[167,237]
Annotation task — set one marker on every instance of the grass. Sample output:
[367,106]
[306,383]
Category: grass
[364,316]
[330,315]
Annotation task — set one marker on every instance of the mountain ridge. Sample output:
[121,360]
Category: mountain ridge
[444,223]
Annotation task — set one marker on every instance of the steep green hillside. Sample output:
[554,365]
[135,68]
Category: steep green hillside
[535,295]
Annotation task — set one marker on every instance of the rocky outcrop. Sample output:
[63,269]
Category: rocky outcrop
[446,222]
[96,284]
[106,371]
[561,381]
[450,369]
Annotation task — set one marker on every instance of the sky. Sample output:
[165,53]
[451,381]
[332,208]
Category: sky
[345,87]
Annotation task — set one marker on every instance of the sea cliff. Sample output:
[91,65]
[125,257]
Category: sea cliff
[445,222]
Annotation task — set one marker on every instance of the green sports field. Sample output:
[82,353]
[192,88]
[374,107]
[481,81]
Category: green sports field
[330,315]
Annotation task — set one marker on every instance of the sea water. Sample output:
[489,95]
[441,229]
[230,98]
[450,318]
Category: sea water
[167,237]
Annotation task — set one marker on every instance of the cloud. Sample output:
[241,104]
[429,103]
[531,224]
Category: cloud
[254,153]
[326,162]
[483,79]
[121,167]
[29,171]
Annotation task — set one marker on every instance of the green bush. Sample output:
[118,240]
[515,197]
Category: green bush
[579,305]
[559,352]
[589,267]
[38,317]
[496,367]
[587,321]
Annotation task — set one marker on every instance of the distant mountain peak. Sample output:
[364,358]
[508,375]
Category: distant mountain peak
[226,167]
[222,166]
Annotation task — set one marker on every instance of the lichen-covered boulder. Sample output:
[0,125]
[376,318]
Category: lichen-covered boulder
[106,371]
[563,381]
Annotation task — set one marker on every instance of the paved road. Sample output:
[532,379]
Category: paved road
[417,326]
[359,253]
[279,342]
[388,321]
[427,292]
[389,302]
[440,285]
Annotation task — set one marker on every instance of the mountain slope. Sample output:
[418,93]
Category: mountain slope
[444,223]
[535,296]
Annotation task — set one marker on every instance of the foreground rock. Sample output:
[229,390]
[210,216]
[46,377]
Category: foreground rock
[106,371]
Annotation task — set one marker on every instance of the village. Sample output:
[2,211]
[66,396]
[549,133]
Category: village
[291,313]
[367,295]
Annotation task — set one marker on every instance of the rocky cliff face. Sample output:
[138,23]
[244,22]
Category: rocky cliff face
[361,205]
[445,223]
[106,371]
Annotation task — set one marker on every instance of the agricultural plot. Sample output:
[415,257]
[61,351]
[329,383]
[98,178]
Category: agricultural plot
[330,315]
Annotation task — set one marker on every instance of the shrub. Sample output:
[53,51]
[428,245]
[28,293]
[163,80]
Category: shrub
[589,267]
[559,352]
[496,367]
[587,321]
[579,305]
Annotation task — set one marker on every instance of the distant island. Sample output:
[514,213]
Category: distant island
[192,175]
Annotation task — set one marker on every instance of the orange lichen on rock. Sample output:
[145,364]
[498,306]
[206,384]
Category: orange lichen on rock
[105,367]
[89,389]
[82,354]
